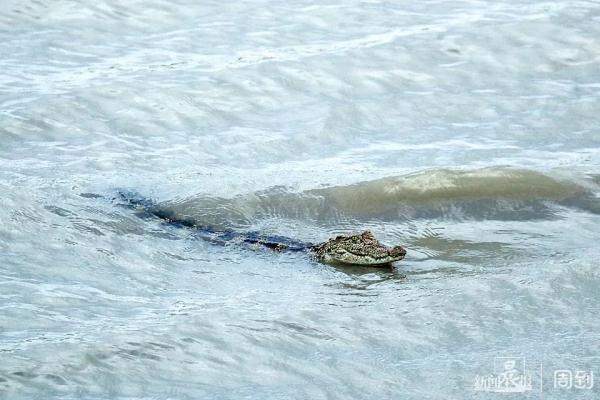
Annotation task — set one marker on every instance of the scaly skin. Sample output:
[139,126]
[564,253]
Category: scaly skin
[356,249]
[359,249]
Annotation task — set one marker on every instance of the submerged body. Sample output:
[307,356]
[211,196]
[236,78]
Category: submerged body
[357,249]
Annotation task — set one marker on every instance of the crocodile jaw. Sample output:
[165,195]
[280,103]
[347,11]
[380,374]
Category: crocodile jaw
[360,249]
[360,260]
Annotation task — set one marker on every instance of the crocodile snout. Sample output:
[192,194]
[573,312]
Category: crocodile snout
[397,252]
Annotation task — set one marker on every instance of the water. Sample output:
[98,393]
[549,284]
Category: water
[467,131]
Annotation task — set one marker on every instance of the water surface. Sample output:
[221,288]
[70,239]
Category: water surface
[466,130]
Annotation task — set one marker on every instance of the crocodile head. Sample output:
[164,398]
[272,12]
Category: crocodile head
[358,249]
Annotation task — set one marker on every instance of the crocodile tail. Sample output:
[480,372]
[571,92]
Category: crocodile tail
[143,207]
[132,199]
[146,207]
[126,198]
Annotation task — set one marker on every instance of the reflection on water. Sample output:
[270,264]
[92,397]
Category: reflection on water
[490,193]
[465,251]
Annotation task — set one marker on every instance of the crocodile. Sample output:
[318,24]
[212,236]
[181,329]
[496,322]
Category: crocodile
[353,249]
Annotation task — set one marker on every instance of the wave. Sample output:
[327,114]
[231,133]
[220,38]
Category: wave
[503,193]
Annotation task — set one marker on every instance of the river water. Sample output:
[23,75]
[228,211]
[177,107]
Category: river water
[467,131]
